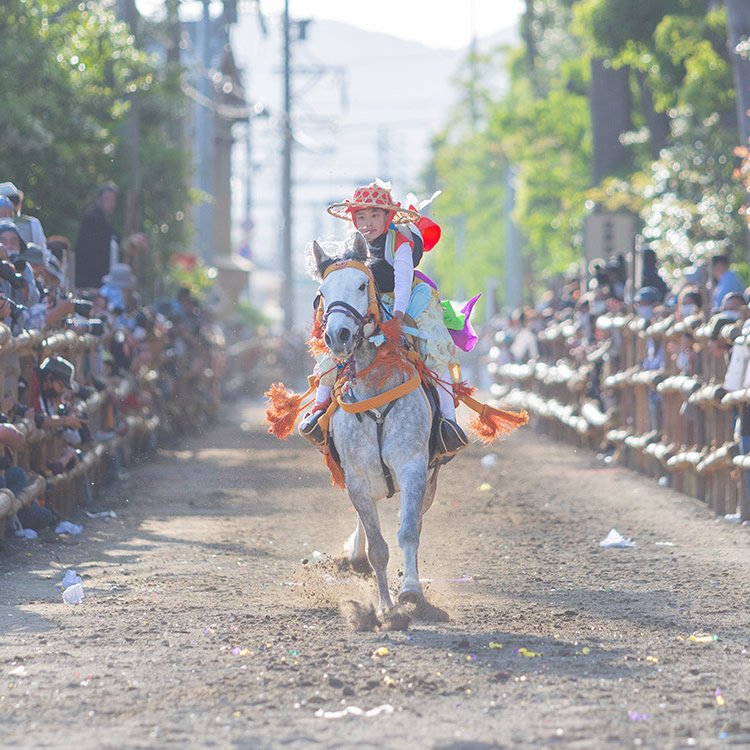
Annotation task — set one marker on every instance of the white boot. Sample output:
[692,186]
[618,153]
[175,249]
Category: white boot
[322,394]
[445,396]
[451,438]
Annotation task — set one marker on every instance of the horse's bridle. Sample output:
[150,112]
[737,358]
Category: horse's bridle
[372,314]
[347,310]
[373,307]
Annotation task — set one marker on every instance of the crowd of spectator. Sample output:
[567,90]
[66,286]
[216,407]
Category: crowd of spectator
[49,284]
[709,295]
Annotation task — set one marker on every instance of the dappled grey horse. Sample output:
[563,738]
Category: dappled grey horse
[404,424]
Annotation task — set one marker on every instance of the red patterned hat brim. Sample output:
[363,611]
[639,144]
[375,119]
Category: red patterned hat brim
[344,211]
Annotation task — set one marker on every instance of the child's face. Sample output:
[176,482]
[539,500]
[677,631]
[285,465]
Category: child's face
[371,222]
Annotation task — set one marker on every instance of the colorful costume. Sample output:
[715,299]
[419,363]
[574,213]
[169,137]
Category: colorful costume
[435,344]
[393,256]
[396,239]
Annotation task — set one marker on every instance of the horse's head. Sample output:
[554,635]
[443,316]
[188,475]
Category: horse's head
[348,293]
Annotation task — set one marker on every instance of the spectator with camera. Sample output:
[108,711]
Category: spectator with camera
[52,385]
[14,292]
[52,308]
[57,308]
[19,277]
[611,275]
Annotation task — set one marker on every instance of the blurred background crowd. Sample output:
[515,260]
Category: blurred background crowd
[709,291]
[690,325]
[83,358]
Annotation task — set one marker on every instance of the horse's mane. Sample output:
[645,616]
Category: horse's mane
[334,249]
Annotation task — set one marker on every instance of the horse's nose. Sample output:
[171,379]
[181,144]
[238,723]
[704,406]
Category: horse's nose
[338,340]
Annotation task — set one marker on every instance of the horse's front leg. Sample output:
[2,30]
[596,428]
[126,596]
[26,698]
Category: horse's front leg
[412,479]
[377,549]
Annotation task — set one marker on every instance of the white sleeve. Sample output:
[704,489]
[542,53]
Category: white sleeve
[737,368]
[37,235]
[403,274]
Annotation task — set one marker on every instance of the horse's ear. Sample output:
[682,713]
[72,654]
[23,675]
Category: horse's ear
[321,259]
[360,249]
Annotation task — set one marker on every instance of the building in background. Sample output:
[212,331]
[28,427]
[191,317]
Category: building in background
[214,84]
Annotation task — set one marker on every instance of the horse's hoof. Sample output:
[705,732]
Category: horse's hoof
[410,596]
[384,610]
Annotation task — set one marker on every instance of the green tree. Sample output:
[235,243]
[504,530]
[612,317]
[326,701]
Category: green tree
[541,126]
[70,72]
[688,197]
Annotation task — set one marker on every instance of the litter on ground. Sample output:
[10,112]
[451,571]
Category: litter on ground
[616,539]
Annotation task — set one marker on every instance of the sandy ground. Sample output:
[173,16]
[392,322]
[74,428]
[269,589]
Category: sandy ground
[216,615]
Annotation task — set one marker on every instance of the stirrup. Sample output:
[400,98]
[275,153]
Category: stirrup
[311,430]
[450,439]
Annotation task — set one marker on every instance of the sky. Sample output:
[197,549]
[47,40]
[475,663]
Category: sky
[447,24]
[379,130]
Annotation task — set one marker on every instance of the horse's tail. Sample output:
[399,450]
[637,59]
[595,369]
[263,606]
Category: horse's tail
[283,409]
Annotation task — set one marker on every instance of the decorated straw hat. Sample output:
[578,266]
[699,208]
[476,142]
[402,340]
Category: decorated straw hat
[375,195]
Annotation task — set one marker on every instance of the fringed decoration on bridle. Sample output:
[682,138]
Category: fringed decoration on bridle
[316,344]
[391,329]
[284,407]
[338,478]
[490,423]
[389,356]
[463,390]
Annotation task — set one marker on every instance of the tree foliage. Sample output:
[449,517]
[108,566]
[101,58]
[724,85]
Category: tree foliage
[540,127]
[686,191]
[70,74]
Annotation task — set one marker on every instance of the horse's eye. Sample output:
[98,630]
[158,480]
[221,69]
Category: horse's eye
[362,286]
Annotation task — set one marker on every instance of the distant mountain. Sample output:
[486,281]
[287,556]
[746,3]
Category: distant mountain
[365,105]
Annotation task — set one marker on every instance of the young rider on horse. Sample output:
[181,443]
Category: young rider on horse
[395,247]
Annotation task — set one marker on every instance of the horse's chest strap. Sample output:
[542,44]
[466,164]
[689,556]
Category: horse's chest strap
[373,403]
[379,418]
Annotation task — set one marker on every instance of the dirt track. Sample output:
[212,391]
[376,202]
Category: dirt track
[203,627]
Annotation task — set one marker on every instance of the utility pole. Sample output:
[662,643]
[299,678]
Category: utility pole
[205,140]
[128,12]
[287,295]
[513,265]
[460,291]
[473,52]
